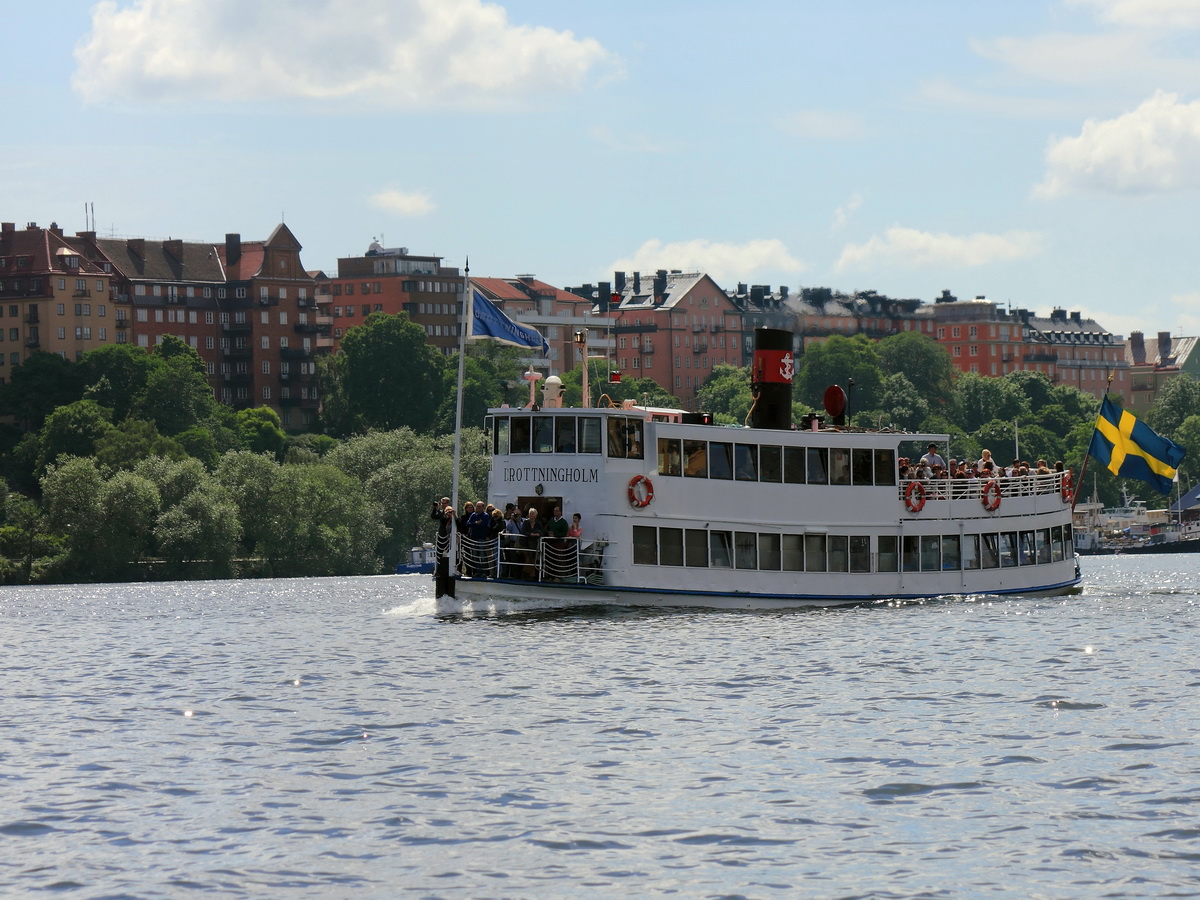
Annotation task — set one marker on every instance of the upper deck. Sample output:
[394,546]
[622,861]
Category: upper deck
[585,457]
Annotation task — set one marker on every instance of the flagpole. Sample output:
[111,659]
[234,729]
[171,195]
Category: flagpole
[1083,468]
[464,326]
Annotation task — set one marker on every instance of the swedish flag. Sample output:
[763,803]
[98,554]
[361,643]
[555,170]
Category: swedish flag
[1131,449]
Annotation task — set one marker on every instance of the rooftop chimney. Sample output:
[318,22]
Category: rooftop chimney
[233,248]
[137,246]
[660,282]
[1164,347]
[1076,316]
[619,282]
[1137,348]
[175,248]
[637,282]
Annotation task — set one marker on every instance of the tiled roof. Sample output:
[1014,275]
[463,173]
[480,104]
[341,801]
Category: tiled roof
[164,261]
[46,251]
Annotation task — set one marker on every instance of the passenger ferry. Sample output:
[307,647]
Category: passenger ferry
[677,511]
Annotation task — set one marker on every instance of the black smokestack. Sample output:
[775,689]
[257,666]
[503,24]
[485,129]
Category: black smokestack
[771,378]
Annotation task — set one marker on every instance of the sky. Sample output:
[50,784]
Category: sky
[1041,153]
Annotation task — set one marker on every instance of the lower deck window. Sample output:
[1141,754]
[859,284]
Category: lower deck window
[772,552]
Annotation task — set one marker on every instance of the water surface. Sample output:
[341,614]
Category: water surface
[336,737]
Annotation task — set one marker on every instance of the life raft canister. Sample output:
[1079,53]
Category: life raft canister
[641,491]
[990,498]
[914,496]
[1067,485]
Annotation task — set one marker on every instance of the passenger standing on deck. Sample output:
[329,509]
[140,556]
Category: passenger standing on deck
[556,533]
[510,544]
[533,530]
[478,524]
[932,459]
[443,584]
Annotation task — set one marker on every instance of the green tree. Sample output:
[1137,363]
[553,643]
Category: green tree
[1037,443]
[320,522]
[37,387]
[980,399]
[177,394]
[199,443]
[250,480]
[27,546]
[174,479]
[726,394]
[905,407]
[482,389]
[1035,387]
[133,440]
[838,361]
[261,430]
[199,535]
[390,376]
[129,505]
[924,362]
[1175,401]
[71,490]
[1187,435]
[403,492]
[73,430]
[116,376]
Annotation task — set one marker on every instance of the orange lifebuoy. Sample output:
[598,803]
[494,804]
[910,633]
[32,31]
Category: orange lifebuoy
[641,491]
[914,496]
[990,498]
[1066,486]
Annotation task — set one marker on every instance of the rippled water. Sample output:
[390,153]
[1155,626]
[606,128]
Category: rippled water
[339,737]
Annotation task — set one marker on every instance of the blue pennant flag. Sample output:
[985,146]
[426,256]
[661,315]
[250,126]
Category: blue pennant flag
[489,321]
[1131,449]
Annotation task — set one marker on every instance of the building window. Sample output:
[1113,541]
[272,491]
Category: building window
[266,393]
[266,367]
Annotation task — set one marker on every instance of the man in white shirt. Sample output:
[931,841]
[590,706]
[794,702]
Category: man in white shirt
[933,458]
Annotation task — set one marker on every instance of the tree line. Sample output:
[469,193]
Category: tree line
[122,465]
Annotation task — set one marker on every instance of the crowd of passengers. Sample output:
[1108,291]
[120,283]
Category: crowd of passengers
[932,465]
[519,537]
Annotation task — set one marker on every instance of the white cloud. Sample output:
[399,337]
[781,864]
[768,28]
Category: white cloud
[910,248]
[406,204]
[1146,13]
[842,214]
[824,125]
[1155,148]
[406,53]
[723,261]
[1078,59]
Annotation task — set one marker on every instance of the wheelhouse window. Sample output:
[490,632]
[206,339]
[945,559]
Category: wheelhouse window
[564,434]
[625,438]
[695,454]
[770,464]
[745,462]
[520,434]
[720,460]
[818,465]
[589,434]
[543,434]
[670,456]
